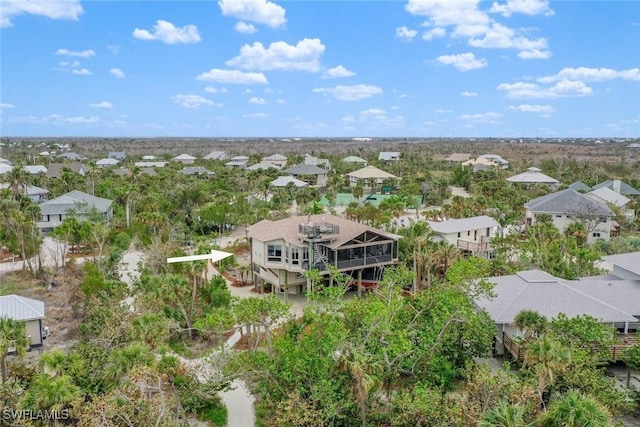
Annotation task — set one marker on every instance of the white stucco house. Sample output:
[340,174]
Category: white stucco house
[470,235]
[75,203]
[568,206]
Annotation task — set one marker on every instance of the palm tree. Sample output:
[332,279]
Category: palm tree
[13,338]
[364,371]
[576,410]
[18,180]
[532,323]
[548,358]
[53,394]
[504,415]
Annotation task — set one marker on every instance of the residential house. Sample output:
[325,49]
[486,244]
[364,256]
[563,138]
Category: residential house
[612,198]
[568,206]
[70,155]
[315,161]
[118,155]
[276,159]
[149,157]
[55,169]
[284,181]
[107,162]
[196,170]
[35,169]
[609,298]
[75,203]
[458,157]
[369,176]
[4,168]
[36,194]
[389,156]
[619,187]
[237,162]
[262,166]
[625,266]
[185,159]
[355,159]
[216,155]
[282,251]
[27,310]
[150,164]
[580,187]
[533,176]
[470,235]
[319,175]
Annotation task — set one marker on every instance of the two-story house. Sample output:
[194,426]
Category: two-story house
[568,206]
[282,251]
[470,235]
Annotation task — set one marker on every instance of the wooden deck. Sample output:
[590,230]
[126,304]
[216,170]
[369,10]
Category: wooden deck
[517,352]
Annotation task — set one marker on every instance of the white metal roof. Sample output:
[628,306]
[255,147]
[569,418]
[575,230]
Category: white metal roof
[21,308]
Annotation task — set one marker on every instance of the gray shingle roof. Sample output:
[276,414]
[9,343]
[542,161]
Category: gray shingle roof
[568,202]
[625,188]
[196,170]
[580,187]
[532,176]
[629,261]
[21,308]
[606,300]
[283,181]
[75,201]
[459,225]
[306,170]
[55,169]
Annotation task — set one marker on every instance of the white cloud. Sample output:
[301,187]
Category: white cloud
[256,100]
[232,77]
[117,72]
[373,112]
[82,54]
[350,93]
[192,101]
[4,106]
[442,13]
[337,72]
[168,33]
[394,107]
[499,36]
[211,89]
[281,101]
[255,116]
[405,33]
[592,74]
[443,111]
[434,33]
[72,64]
[103,104]
[259,11]
[244,28]
[527,108]
[527,7]
[534,54]
[81,72]
[562,89]
[468,94]
[305,56]
[57,118]
[463,61]
[70,9]
[490,117]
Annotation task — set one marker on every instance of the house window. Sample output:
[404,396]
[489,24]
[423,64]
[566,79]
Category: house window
[596,234]
[488,231]
[274,253]
[459,234]
[295,256]
[558,216]
[475,234]
[305,254]
[468,232]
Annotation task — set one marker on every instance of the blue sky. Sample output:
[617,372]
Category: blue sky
[423,68]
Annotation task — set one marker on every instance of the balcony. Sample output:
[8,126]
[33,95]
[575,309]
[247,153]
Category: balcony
[482,246]
[317,232]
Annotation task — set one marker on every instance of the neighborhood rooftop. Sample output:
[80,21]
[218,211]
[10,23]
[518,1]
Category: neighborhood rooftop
[21,308]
